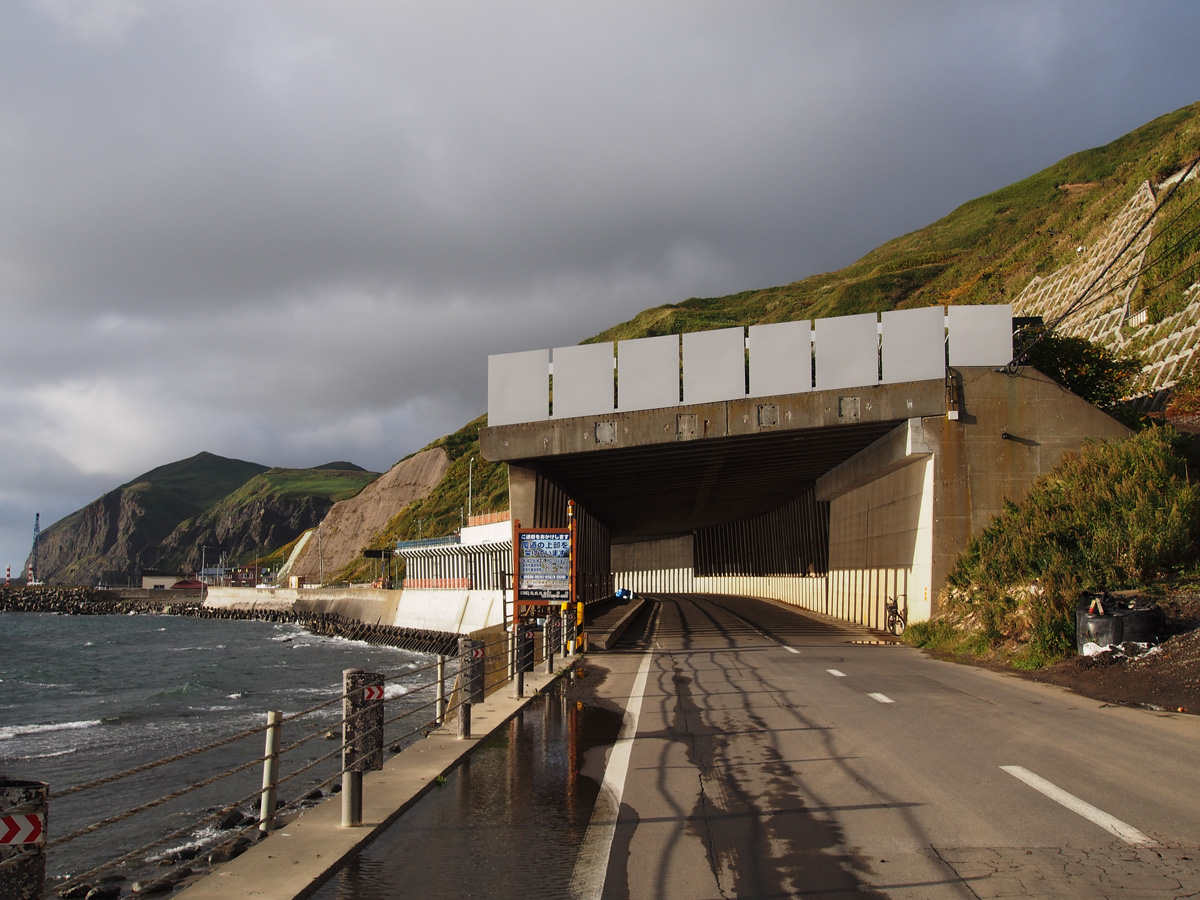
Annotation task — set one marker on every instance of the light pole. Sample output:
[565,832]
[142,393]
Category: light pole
[470,485]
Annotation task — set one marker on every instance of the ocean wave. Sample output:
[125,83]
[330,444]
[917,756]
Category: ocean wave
[392,691]
[33,756]
[8,732]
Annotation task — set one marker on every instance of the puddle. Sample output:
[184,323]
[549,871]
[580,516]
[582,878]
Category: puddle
[506,823]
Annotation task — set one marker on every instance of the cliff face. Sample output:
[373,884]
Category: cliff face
[164,518]
[109,535]
[242,532]
[351,524]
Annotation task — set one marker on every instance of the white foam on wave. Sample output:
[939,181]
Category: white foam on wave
[392,691]
[8,732]
[32,756]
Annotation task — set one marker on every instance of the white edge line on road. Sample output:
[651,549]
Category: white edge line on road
[1127,833]
[836,673]
[789,649]
[587,880]
[882,698]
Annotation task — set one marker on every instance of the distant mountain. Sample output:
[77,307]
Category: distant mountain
[348,466]
[163,518]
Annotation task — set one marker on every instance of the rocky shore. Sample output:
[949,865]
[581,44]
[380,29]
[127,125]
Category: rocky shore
[85,601]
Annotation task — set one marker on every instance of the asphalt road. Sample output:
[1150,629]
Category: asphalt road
[776,757]
[735,748]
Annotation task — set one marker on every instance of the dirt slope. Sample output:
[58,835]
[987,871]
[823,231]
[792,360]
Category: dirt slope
[351,524]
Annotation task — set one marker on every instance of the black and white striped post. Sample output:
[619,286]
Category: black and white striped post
[24,809]
[470,682]
[362,737]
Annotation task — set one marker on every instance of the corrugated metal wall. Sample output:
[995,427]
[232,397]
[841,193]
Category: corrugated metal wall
[792,540]
[487,566]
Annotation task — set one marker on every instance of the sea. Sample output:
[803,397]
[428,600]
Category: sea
[85,697]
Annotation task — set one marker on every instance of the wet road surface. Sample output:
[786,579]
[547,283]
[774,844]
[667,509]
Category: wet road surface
[761,753]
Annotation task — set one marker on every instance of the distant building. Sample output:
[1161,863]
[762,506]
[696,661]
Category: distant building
[156,580]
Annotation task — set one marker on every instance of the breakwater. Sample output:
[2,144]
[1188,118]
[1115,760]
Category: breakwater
[85,601]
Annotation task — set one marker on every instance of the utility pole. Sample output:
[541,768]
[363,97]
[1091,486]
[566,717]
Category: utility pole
[470,485]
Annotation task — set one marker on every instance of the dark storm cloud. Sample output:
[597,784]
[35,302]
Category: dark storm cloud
[291,231]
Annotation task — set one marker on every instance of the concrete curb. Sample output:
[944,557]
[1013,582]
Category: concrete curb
[298,858]
[607,638]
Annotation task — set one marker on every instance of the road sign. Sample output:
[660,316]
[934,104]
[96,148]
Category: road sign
[477,653]
[373,692]
[22,829]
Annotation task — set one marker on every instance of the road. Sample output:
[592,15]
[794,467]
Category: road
[762,753]
[776,758]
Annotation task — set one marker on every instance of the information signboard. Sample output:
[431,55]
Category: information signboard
[544,560]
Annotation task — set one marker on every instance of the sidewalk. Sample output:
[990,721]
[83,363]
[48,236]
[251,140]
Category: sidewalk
[605,622]
[299,856]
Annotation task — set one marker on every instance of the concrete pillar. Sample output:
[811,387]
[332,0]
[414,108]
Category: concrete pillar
[522,495]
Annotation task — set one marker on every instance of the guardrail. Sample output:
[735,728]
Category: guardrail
[290,767]
[282,748]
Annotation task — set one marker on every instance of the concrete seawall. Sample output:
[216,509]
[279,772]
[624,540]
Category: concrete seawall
[450,611]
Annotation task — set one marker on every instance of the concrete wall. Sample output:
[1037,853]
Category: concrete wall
[978,468]
[455,612]
[880,545]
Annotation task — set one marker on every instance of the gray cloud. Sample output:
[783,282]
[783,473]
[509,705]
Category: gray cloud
[292,230]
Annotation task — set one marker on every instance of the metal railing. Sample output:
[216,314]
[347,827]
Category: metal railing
[291,768]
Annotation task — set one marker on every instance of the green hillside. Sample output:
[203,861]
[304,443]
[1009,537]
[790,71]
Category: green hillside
[986,251]
[198,482]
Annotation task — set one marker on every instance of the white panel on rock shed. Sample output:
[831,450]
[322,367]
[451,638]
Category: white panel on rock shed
[519,387]
[714,365]
[980,335]
[914,345]
[583,380]
[847,349]
[780,358]
[648,373]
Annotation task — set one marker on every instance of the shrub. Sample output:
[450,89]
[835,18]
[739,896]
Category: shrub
[1118,514]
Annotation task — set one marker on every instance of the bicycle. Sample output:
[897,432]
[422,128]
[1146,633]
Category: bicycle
[897,618]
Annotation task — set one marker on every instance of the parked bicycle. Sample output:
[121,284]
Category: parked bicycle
[897,618]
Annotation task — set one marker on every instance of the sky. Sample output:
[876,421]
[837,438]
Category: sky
[292,231]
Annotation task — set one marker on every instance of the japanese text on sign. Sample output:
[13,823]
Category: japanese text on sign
[545,565]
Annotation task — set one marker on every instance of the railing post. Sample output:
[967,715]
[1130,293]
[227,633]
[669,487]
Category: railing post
[362,737]
[470,682]
[549,639]
[441,689]
[522,657]
[24,809]
[266,809]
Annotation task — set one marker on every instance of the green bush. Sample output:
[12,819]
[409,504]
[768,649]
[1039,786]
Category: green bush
[1119,514]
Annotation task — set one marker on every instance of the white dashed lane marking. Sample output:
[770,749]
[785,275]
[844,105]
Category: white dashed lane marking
[882,698]
[1127,833]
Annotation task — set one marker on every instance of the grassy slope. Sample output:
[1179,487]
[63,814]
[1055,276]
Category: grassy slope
[986,251]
